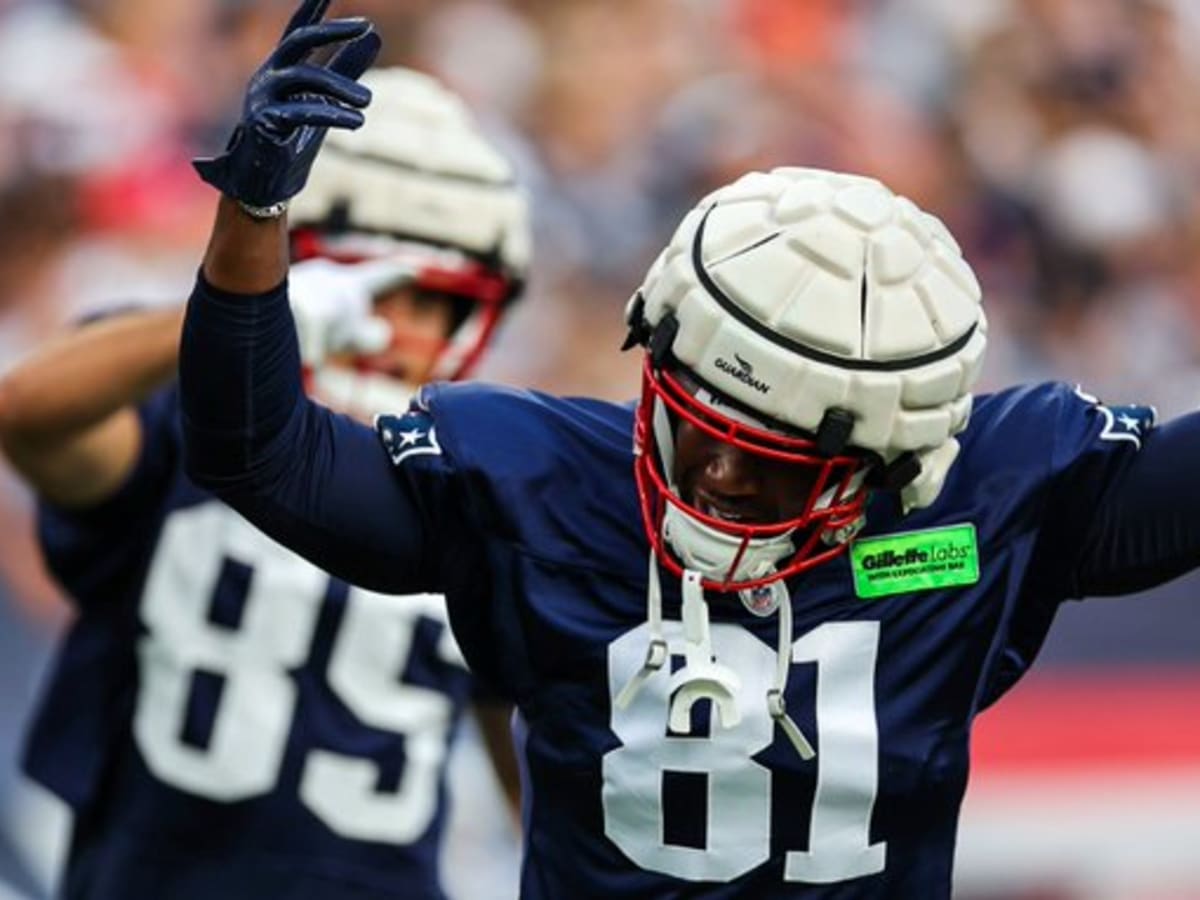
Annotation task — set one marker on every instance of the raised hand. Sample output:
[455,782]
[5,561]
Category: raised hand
[290,103]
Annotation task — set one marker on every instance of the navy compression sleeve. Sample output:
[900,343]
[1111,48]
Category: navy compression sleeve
[1146,528]
[318,482]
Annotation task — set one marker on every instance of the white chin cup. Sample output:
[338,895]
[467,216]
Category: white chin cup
[711,552]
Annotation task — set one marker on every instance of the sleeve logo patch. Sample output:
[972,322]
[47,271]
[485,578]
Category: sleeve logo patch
[412,434]
[1130,423]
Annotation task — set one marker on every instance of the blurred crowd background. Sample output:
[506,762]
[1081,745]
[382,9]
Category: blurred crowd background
[1058,139]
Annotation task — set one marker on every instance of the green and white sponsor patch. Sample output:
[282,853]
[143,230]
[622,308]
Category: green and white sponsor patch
[915,561]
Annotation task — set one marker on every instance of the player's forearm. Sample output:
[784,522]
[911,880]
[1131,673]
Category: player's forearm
[81,378]
[67,421]
[238,344]
[246,255]
[240,383]
[239,366]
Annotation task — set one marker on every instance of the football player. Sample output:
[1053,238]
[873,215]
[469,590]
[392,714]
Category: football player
[226,719]
[749,623]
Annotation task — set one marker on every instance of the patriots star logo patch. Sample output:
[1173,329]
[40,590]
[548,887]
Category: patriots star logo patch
[1131,422]
[412,434]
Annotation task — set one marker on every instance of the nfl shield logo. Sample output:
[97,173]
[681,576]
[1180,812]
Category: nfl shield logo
[762,601]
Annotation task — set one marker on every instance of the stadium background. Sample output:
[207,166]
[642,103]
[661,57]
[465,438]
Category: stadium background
[1059,139]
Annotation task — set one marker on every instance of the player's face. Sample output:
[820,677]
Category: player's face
[728,483]
[421,322]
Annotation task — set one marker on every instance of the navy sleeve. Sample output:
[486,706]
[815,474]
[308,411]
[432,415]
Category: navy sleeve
[1145,529]
[92,546]
[1125,515]
[318,482]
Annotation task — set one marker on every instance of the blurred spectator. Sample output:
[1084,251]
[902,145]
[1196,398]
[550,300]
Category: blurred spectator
[488,53]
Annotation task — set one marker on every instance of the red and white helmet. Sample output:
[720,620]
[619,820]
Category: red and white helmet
[813,318]
[419,184]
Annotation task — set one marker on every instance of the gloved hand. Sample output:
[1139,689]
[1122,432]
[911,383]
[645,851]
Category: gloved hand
[332,304]
[289,105]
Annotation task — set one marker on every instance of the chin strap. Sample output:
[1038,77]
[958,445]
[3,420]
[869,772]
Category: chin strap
[656,653]
[776,704]
[702,677]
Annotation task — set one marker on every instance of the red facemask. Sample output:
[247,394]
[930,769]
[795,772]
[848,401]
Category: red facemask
[739,556]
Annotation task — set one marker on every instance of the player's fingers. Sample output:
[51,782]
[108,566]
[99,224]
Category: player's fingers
[356,57]
[286,117]
[309,79]
[303,41]
[310,11]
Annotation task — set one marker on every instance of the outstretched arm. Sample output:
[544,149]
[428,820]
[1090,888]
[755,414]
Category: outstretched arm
[67,417]
[318,482]
[1146,528]
[1123,517]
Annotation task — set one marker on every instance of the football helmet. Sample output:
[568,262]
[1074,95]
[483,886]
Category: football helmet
[418,184]
[810,318]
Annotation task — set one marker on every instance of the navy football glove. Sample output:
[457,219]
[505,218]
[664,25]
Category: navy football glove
[290,103]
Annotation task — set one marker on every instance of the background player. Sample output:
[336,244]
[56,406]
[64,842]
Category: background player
[811,345]
[225,719]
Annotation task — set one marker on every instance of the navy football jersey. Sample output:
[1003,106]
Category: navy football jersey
[228,721]
[896,646]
